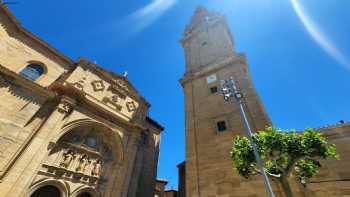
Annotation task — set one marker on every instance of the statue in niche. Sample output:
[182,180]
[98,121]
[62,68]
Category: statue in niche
[83,163]
[67,159]
[96,170]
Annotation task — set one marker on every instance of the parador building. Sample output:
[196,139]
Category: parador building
[72,129]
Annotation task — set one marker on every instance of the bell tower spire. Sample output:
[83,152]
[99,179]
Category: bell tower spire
[206,39]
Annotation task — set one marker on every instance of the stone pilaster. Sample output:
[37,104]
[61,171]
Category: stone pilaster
[25,169]
[129,162]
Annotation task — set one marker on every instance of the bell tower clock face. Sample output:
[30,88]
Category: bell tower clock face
[211,78]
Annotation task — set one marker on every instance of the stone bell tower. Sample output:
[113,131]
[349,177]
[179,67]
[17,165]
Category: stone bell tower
[211,123]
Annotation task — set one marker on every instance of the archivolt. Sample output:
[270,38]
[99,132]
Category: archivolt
[89,122]
[89,190]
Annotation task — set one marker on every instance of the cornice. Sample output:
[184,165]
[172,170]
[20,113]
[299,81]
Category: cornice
[154,123]
[210,68]
[336,130]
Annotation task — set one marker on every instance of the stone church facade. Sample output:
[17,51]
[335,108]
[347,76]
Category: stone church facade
[212,123]
[69,129]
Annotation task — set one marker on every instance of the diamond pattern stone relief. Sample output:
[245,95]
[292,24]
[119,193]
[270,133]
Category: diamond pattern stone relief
[98,85]
[131,106]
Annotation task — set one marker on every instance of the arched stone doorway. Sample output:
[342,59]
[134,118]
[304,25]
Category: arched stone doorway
[48,191]
[83,155]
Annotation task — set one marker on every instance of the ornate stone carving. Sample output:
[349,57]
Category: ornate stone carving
[97,166]
[83,163]
[114,100]
[80,157]
[115,89]
[131,106]
[80,84]
[66,105]
[122,84]
[119,87]
[68,157]
[76,162]
[98,85]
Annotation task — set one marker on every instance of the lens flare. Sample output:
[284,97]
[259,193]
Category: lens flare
[148,14]
[318,35]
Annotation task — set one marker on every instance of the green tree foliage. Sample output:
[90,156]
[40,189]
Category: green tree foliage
[283,152]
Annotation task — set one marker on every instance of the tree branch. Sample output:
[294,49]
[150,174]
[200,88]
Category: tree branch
[290,165]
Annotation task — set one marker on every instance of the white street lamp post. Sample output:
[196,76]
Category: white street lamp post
[230,89]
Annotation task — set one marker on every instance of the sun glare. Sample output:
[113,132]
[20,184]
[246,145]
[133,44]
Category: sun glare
[317,35]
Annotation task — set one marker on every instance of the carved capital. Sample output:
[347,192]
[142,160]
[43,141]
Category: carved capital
[66,105]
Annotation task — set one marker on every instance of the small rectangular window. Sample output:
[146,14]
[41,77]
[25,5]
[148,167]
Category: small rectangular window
[221,125]
[214,90]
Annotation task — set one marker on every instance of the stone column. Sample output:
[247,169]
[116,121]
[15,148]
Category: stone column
[138,166]
[128,164]
[25,169]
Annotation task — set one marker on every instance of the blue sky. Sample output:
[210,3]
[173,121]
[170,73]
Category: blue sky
[298,53]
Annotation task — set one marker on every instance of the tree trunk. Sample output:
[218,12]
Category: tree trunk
[286,187]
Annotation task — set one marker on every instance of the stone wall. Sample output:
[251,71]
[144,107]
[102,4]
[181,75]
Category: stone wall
[334,176]
[18,49]
[78,127]
[19,103]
